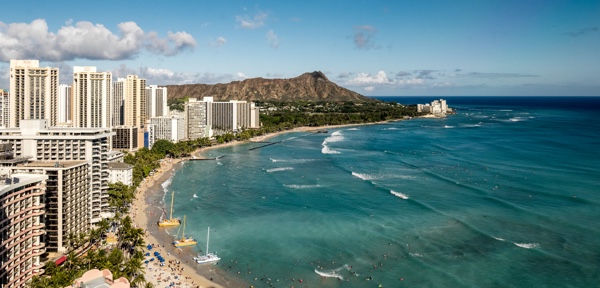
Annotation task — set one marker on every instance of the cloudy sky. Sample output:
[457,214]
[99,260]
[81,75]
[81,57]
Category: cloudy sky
[372,47]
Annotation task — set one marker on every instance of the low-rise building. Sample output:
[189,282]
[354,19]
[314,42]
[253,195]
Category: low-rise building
[100,279]
[120,172]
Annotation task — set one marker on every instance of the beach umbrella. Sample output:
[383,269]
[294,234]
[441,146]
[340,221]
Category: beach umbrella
[146,261]
[149,247]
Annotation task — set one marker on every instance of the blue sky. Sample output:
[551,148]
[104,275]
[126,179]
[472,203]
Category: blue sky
[372,47]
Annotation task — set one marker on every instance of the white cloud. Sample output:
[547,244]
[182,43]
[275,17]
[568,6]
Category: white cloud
[369,88]
[85,40]
[245,22]
[241,75]
[366,78]
[221,41]
[273,39]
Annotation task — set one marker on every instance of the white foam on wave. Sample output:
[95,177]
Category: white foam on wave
[517,119]
[166,184]
[327,150]
[335,137]
[527,245]
[296,186]
[292,160]
[448,126]
[279,169]
[498,238]
[335,273]
[415,254]
[398,194]
[365,177]
[353,129]
[390,128]
[195,196]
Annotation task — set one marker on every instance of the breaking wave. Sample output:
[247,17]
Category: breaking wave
[279,169]
[403,196]
[335,273]
[327,150]
[527,245]
[365,177]
[296,186]
[335,137]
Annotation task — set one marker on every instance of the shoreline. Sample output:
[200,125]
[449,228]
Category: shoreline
[148,208]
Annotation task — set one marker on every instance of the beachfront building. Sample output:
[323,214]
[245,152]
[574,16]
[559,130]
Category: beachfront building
[156,101]
[4,108]
[34,92]
[92,94]
[38,142]
[66,199]
[436,107]
[131,91]
[64,105]
[196,116]
[232,116]
[126,138]
[120,172]
[169,128]
[100,279]
[21,227]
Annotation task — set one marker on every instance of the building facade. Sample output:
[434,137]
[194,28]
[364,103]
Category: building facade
[121,172]
[156,101]
[64,105]
[169,128]
[36,141]
[21,227]
[4,108]
[197,120]
[126,138]
[34,92]
[66,199]
[92,95]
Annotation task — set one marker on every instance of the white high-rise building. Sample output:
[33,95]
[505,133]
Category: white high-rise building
[134,101]
[169,128]
[196,117]
[34,92]
[117,102]
[64,104]
[92,95]
[156,101]
[4,108]
[38,142]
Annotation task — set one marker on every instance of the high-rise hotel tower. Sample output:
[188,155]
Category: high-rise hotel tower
[92,94]
[34,92]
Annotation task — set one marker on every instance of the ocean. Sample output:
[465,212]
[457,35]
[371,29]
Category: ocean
[505,193]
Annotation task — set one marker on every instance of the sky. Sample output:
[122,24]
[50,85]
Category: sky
[376,48]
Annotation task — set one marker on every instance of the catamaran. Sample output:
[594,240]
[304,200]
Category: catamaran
[208,257]
[171,221]
[184,241]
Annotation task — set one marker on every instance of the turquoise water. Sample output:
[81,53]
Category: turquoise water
[496,196]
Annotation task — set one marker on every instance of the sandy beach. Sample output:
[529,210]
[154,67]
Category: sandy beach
[147,210]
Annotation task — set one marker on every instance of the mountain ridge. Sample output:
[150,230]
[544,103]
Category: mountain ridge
[310,86]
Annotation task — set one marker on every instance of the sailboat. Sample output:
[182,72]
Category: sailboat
[208,257]
[184,241]
[171,221]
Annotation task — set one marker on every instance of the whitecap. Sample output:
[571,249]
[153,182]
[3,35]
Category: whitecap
[415,254]
[353,129]
[403,196]
[528,245]
[327,150]
[195,196]
[296,186]
[335,273]
[365,177]
[498,238]
[448,126]
[335,137]
[279,169]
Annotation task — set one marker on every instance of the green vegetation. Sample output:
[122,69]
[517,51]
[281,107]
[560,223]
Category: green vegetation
[177,103]
[287,115]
